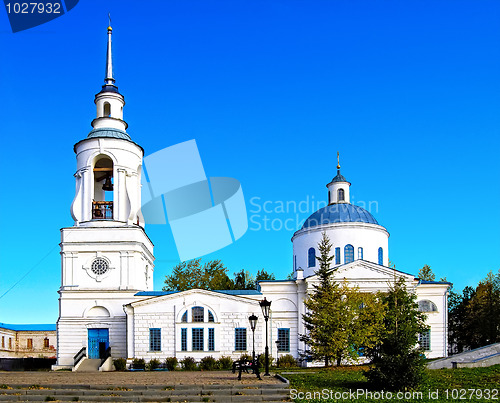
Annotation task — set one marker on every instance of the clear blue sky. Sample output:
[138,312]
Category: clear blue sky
[408,91]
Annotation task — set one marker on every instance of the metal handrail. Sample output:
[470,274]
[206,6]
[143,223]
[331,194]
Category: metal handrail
[102,210]
[80,355]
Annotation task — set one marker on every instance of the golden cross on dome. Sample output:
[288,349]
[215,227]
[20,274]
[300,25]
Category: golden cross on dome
[338,160]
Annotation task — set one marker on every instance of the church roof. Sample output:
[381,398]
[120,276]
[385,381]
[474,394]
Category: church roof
[110,133]
[339,212]
[35,328]
[228,292]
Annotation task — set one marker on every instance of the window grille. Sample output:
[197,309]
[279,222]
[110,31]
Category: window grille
[240,339]
[283,340]
[154,339]
[197,339]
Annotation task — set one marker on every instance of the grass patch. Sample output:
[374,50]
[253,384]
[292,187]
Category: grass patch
[445,384]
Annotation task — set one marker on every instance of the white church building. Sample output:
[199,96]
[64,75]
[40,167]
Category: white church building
[107,302]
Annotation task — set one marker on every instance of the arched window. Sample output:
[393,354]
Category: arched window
[427,306]
[107,109]
[348,253]
[311,257]
[210,316]
[360,253]
[337,255]
[184,317]
[340,193]
[380,256]
[197,313]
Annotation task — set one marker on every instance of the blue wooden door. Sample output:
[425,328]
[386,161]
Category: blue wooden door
[98,342]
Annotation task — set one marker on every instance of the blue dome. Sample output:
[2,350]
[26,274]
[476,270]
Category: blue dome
[339,212]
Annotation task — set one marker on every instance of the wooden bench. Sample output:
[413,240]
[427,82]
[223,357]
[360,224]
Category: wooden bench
[246,365]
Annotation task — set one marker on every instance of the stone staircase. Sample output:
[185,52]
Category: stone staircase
[146,393]
[479,357]
[88,365]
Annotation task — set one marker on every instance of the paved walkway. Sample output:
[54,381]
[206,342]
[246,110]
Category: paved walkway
[132,378]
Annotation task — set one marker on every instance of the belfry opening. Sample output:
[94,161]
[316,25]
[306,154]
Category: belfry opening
[102,202]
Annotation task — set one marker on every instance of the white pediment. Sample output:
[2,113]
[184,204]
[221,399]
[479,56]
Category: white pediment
[367,275]
[195,297]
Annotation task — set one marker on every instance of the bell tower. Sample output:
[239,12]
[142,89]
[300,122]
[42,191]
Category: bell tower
[106,256]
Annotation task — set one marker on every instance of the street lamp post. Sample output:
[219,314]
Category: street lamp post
[253,323]
[266,306]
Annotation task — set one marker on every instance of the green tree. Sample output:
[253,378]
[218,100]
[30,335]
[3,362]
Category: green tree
[483,313]
[264,275]
[339,320]
[243,280]
[398,362]
[212,275]
[458,324]
[426,273]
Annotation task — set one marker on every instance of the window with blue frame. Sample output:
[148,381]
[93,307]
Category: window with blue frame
[210,316]
[311,257]
[341,195]
[197,313]
[184,317]
[184,339]
[154,339]
[211,339]
[348,253]
[283,340]
[240,339]
[424,339]
[380,256]
[360,253]
[197,339]
[337,255]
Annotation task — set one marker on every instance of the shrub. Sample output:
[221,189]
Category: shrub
[208,363]
[153,364]
[262,360]
[120,364]
[138,363]
[225,363]
[286,361]
[171,363]
[189,364]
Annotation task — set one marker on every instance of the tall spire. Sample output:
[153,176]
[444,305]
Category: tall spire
[109,101]
[109,80]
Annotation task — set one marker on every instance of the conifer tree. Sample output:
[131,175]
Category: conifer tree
[426,273]
[398,361]
[337,324]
